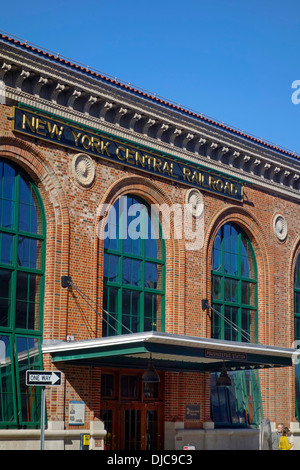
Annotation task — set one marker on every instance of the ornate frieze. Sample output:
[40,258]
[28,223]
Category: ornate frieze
[88,100]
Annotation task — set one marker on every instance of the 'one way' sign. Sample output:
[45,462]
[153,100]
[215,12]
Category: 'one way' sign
[43,378]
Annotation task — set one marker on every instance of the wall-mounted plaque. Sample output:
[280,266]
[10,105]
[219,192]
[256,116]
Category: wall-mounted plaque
[192,412]
[76,413]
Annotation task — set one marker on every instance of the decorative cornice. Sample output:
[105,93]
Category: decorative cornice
[32,81]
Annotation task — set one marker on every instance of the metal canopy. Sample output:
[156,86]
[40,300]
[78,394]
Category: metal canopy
[169,352]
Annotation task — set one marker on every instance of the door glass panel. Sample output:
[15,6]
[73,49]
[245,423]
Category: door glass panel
[132,412]
[151,430]
[106,417]
[132,426]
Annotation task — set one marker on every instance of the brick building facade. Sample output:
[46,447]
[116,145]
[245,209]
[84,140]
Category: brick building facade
[127,143]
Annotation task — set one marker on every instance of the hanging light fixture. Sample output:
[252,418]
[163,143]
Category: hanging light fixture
[224,379]
[150,375]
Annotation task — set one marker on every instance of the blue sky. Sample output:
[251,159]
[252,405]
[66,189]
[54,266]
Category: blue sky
[232,60]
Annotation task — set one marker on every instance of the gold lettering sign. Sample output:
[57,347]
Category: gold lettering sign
[105,146]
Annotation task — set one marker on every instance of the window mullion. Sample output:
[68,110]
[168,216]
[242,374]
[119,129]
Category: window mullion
[120,296]
[231,296]
[135,291]
[17,360]
[239,303]
[17,198]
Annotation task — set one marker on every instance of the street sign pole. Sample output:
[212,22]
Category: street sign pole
[35,378]
[43,413]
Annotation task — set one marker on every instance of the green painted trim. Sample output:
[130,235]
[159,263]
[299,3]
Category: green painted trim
[121,351]
[14,268]
[223,276]
[177,362]
[297,334]
[141,289]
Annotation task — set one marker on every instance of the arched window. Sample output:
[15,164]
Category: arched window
[234,285]
[234,318]
[297,299]
[22,266]
[297,334]
[134,269]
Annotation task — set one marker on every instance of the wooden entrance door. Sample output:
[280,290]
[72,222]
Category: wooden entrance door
[133,427]
[153,428]
[142,427]
[132,413]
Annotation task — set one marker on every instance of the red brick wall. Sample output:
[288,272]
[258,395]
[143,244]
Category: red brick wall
[73,248]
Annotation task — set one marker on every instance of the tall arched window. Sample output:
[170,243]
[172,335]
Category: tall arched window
[297,299]
[134,269]
[22,266]
[234,285]
[234,318]
[297,334]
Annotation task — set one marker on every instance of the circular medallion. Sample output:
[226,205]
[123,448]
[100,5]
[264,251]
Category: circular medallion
[194,201]
[280,227]
[83,169]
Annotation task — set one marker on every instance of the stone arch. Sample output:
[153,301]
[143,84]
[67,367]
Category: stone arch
[295,252]
[253,229]
[151,193]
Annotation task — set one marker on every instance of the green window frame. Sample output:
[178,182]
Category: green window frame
[134,269]
[297,299]
[297,334]
[234,285]
[22,269]
[234,297]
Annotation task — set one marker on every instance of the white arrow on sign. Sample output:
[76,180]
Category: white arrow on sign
[55,378]
[42,378]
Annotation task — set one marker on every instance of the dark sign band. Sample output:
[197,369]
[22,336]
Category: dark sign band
[225,355]
[65,134]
